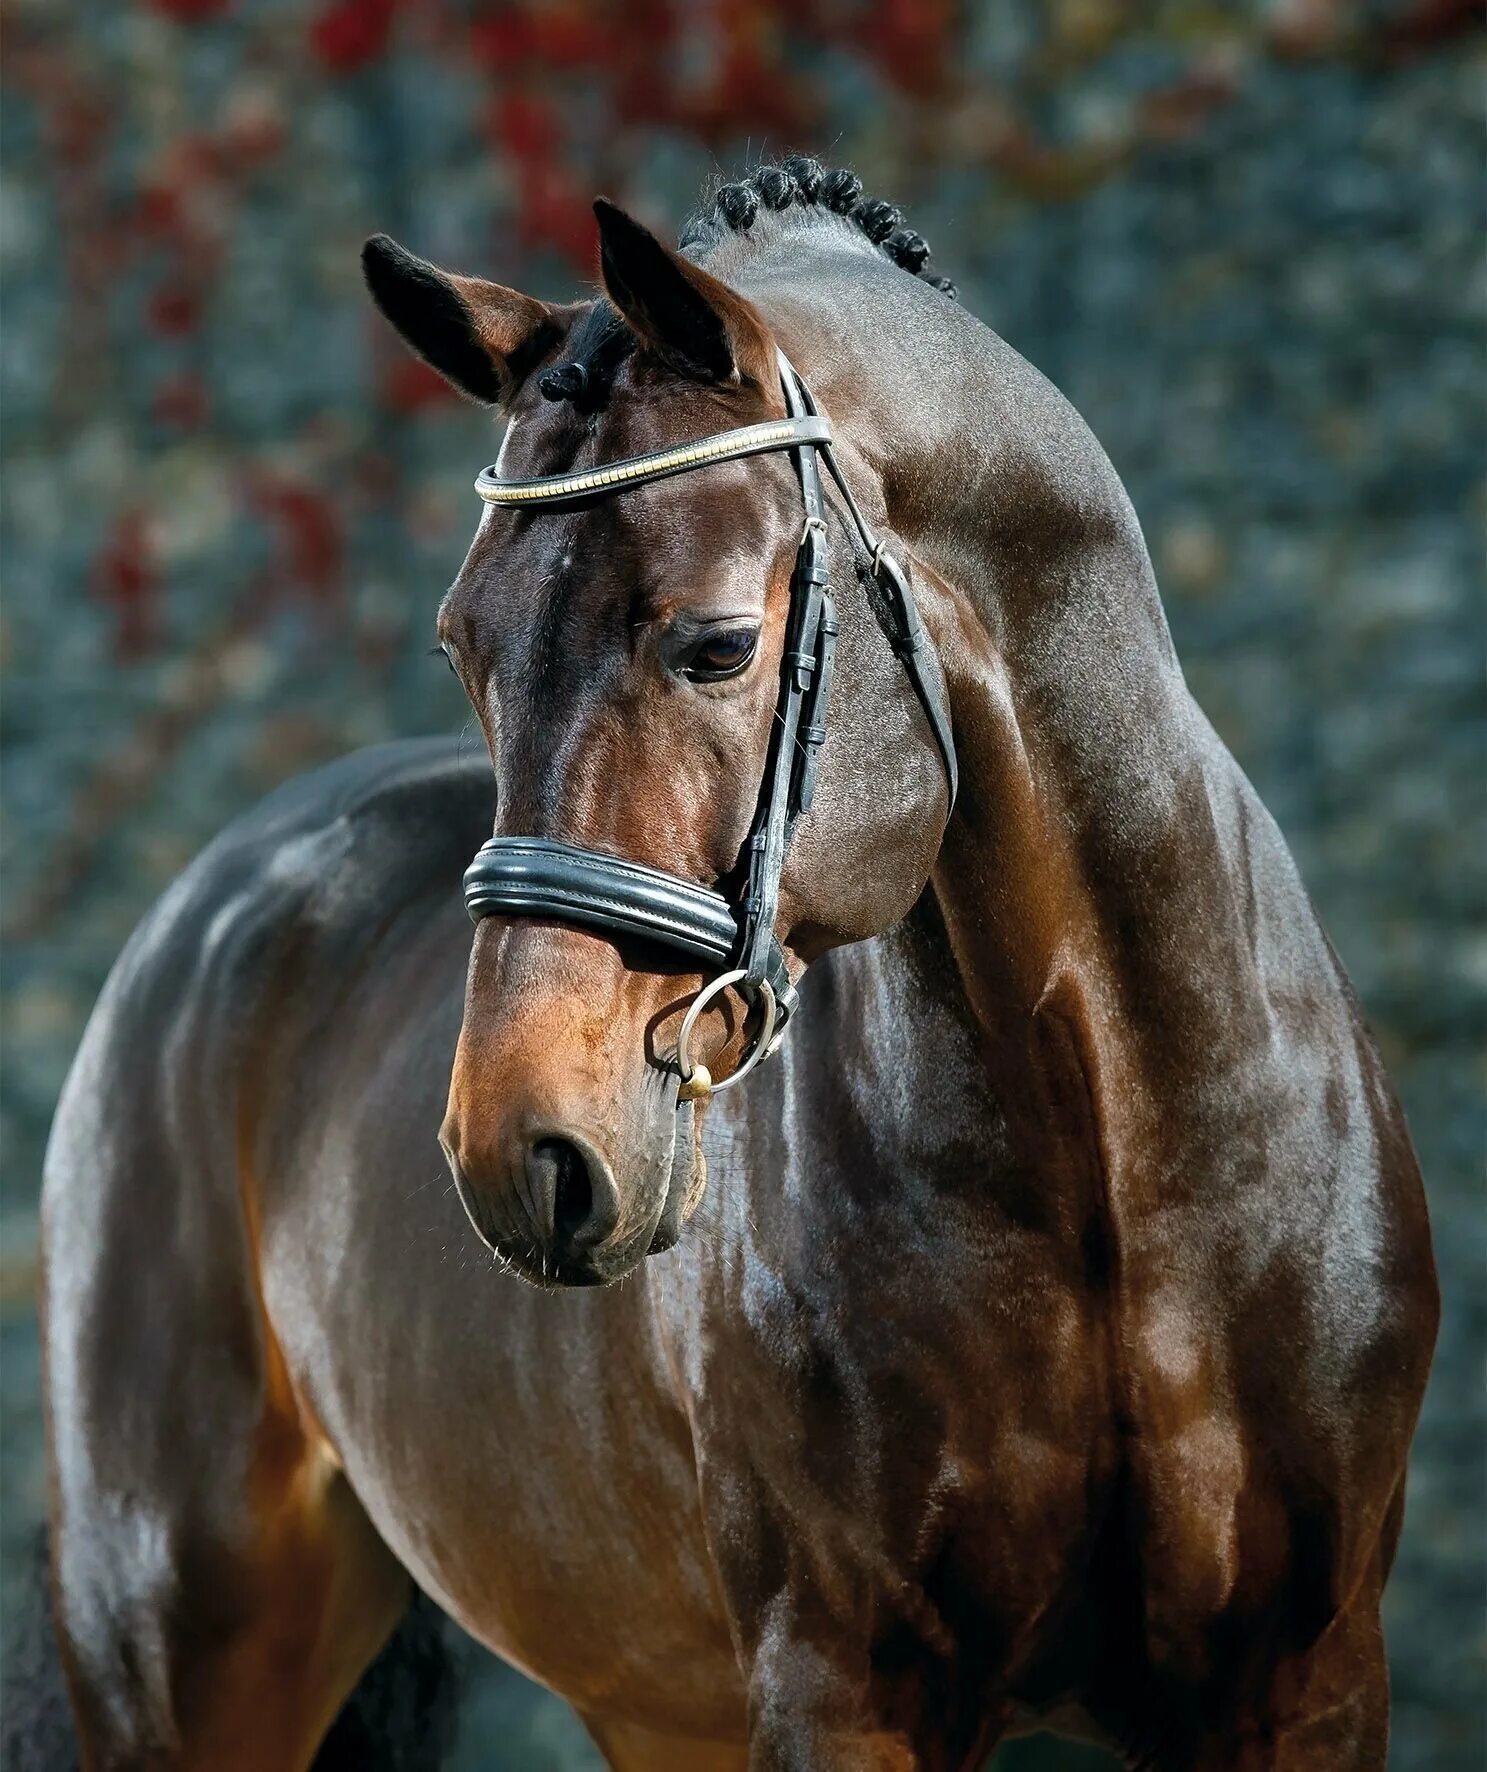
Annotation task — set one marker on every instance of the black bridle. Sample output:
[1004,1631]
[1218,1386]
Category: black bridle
[536,877]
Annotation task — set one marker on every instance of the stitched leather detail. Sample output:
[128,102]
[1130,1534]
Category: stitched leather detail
[639,470]
[531,876]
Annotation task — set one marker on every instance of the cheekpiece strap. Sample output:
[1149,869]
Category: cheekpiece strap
[791,765]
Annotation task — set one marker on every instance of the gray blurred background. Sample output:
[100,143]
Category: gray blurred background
[1244,239]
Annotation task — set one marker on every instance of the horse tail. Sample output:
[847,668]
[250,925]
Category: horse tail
[402,1717]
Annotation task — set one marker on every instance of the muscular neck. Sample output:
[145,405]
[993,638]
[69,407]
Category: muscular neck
[1099,907]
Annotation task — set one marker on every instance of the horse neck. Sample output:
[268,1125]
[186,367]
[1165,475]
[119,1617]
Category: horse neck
[1106,872]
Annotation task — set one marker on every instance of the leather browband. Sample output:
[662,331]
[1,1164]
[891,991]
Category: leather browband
[614,476]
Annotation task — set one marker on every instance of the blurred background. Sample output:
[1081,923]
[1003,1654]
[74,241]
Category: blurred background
[1244,238]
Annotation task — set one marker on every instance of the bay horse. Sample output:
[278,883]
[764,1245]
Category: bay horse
[1033,1342]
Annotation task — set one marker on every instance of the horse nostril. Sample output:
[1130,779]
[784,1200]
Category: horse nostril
[569,1190]
[573,1195]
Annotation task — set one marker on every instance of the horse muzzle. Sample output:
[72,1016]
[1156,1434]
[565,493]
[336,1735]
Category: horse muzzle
[564,1141]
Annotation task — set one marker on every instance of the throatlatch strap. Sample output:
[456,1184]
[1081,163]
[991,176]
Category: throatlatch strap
[910,643]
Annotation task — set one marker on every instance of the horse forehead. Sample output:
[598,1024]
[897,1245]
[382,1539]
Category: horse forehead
[519,561]
[662,539]
[552,437]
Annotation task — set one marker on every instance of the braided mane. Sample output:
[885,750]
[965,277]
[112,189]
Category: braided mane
[800,181]
[602,341]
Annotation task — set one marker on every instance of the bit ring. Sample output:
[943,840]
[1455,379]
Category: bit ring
[697,1078]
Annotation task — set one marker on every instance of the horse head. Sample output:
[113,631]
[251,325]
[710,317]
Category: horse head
[628,653]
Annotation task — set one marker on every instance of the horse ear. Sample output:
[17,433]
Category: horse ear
[479,336]
[699,326]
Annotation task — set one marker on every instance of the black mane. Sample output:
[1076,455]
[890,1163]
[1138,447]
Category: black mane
[798,181]
[746,207]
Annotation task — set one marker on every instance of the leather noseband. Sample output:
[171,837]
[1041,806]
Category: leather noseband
[537,877]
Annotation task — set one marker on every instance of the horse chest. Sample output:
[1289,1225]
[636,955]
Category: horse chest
[905,1440]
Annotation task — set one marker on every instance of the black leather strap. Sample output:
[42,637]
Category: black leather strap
[537,877]
[813,573]
[774,823]
[533,877]
[912,646]
[910,643]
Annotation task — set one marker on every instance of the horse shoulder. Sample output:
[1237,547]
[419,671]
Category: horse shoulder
[178,1441]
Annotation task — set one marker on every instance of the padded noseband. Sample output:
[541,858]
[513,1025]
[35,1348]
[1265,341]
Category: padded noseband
[626,900]
[531,877]
[534,877]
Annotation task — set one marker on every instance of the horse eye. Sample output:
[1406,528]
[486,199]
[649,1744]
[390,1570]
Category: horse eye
[722,655]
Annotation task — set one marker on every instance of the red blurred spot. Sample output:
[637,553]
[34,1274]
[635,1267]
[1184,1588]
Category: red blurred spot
[641,91]
[1429,23]
[571,37]
[192,159]
[157,209]
[182,402]
[525,126]
[503,38]
[174,312]
[910,39]
[125,578]
[253,136]
[80,123]
[552,212]
[352,33]
[409,385]
[307,532]
[754,86]
[189,12]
